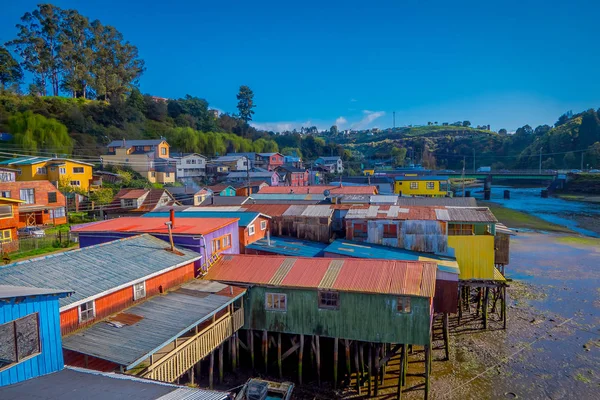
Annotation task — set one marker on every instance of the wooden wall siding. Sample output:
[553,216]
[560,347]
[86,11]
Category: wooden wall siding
[306,228]
[75,359]
[475,256]
[365,317]
[121,299]
[246,238]
[51,358]
[502,249]
[445,299]
[188,351]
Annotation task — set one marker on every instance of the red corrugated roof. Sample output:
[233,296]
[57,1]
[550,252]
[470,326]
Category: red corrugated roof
[192,226]
[415,278]
[333,189]
[272,210]
[131,193]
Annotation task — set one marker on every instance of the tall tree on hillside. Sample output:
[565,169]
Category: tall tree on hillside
[37,43]
[34,133]
[466,123]
[76,53]
[333,131]
[10,70]
[245,103]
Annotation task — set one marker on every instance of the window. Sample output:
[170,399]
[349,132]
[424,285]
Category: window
[153,174]
[167,174]
[20,340]
[75,183]
[403,306]
[390,231]
[430,185]
[58,213]
[226,241]
[5,236]
[460,230]
[41,171]
[251,229]
[87,311]
[28,196]
[128,203]
[329,300]
[7,176]
[263,225]
[139,290]
[78,170]
[163,151]
[19,171]
[414,185]
[52,197]
[276,302]
[6,211]
[62,170]
[5,194]
[360,230]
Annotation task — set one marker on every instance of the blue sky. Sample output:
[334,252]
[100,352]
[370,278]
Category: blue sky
[355,62]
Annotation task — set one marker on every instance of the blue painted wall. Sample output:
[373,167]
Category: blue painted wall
[50,358]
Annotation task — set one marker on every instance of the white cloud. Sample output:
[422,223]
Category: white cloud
[353,100]
[340,121]
[367,120]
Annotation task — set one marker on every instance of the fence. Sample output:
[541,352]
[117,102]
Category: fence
[47,243]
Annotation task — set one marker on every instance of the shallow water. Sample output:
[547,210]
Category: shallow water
[567,213]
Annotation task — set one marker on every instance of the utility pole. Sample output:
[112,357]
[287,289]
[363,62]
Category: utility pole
[463,175]
[540,160]
[473,160]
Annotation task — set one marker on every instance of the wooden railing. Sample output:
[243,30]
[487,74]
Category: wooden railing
[189,351]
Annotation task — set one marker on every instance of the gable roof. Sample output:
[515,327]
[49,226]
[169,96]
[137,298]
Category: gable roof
[319,189]
[413,278]
[182,225]
[149,203]
[36,160]
[97,270]
[131,143]
[206,213]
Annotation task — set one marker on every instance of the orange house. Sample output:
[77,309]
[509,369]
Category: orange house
[9,222]
[42,203]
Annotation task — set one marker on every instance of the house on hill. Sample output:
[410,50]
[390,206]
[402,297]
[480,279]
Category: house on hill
[42,203]
[131,202]
[333,165]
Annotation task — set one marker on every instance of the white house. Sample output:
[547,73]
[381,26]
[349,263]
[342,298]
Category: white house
[333,164]
[235,163]
[191,166]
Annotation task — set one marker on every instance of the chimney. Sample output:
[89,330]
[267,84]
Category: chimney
[172,217]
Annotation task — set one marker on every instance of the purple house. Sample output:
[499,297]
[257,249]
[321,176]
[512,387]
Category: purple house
[207,236]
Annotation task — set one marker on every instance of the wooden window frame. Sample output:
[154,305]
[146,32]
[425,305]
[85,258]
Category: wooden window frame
[361,233]
[126,203]
[328,296]
[75,169]
[75,183]
[390,227]
[461,230]
[5,193]
[81,313]
[263,225]
[32,196]
[403,305]
[53,199]
[414,185]
[10,215]
[430,185]
[62,170]
[276,297]
[41,171]
[139,290]
[2,236]
[17,357]
[251,230]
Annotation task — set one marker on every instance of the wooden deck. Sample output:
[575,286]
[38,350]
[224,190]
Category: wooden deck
[187,351]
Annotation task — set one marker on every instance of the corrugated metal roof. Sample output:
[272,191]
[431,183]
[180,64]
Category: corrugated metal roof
[273,210]
[501,228]
[374,251]
[309,211]
[96,269]
[9,291]
[422,178]
[471,214]
[286,196]
[83,384]
[438,201]
[163,319]
[333,189]
[25,160]
[244,218]
[416,278]
[182,225]
[428,213]
[289,247]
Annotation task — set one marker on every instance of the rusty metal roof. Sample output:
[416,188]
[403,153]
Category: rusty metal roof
[182,226]
[320,189]
[470,214]
[414,278]
[428,213]
[309,211]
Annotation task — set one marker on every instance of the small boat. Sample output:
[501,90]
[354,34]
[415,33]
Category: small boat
[259,389]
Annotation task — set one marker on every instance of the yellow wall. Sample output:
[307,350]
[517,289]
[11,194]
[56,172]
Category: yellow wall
[163,145]
[475,256]
[368,172]
[29,172]
[161,177]
[404,187]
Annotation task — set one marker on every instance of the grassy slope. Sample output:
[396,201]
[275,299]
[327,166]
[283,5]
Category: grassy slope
[517,219]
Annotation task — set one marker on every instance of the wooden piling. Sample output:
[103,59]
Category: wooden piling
[237,348]
[191,375]
[335,362]
[479,300]
[362,364]
[348,364]
[221,363]
[484,310]
[357,366]
[503,307]
[265,349]
[377,354]
[300,354]
[460,305]
[211,368]
[234,344]
[427,369]
[446,336]
[318,358]
[383,354]
[198,367]
[370,369]
[251,345]
[279,355]
[405,356]
[401,372]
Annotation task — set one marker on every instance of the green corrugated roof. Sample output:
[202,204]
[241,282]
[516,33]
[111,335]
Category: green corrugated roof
[25,160]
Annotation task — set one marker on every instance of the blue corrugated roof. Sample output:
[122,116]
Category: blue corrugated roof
[422,178]
[93,270]
[289,247]
[368,250]
[246,218]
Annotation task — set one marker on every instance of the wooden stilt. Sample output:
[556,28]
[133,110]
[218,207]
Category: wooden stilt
[383,354]
[370,369]
[265,349]
[318,358]
[251,345]
[484,309]
[221,363]
[495,297]
[300,354]
[279,355]
[503,307]
[234,349]
[446,336]
[237,348]
[198,367]
[377,354]
[479,300]
[362,364]
[405,357]
[335,362]
[348,364]
[427,369]
[460,305]
[211,368]
[401,371]
[312,352]
[191,376]
[357,367]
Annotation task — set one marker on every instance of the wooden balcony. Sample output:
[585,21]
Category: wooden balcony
[187,351]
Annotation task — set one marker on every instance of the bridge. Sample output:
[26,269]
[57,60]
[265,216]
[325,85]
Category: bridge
[524,175]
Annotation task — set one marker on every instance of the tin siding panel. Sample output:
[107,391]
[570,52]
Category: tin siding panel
[475,255]
[50,359]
